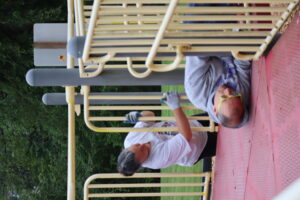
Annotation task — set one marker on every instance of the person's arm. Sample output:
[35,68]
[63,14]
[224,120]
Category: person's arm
[244,69]
[147,113]
[173,101]
[133,116]
[244,77]
[197,64]
[200,77]
[183,124]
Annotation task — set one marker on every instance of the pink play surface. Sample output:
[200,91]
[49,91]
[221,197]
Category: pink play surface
[259,160]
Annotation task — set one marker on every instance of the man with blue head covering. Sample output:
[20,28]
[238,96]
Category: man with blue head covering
[219,86]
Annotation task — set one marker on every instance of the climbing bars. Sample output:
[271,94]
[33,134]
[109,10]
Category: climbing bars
[201,188]
[90,120]
[154,28]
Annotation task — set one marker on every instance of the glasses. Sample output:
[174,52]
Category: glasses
[226,97]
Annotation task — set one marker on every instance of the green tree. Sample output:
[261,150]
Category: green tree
[33,137]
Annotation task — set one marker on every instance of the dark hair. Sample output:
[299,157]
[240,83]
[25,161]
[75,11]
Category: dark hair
[127,164]
[237,116]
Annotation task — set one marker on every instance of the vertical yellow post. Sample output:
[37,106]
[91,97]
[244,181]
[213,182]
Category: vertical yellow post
[71,113]
[71,143]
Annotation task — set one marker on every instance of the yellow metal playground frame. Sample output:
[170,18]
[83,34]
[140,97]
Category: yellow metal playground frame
[90,119]
[80,30]
[89,186]
[139,22]
[72,109]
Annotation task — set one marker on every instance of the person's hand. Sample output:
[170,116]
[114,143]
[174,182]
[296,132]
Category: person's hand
[171,99]
[132,117]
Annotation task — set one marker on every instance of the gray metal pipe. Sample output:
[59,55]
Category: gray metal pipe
[60,98]
[109,77]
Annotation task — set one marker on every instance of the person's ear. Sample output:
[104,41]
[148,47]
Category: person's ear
[215,110]
[227,91]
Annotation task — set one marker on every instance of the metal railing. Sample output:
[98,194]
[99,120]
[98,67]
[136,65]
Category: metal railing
[90,118]
[201,188]
[154,28]
[136,32]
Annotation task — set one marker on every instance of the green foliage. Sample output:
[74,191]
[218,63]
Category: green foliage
[33,137]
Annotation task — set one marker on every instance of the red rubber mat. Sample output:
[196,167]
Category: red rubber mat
[259,160]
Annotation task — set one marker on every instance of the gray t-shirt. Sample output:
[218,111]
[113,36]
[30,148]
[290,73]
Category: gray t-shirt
[204,74]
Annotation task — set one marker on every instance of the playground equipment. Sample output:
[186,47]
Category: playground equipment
[146,34]
[90,119]
[152,28]
[93,102]
[89,185]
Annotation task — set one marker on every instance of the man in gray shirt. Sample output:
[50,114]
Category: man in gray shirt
[219,86]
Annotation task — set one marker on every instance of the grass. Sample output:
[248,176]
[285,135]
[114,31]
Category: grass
[179,169]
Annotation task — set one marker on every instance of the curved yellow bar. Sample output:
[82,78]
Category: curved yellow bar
[135,73]
[239,56]
[172,66]
[100,67]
